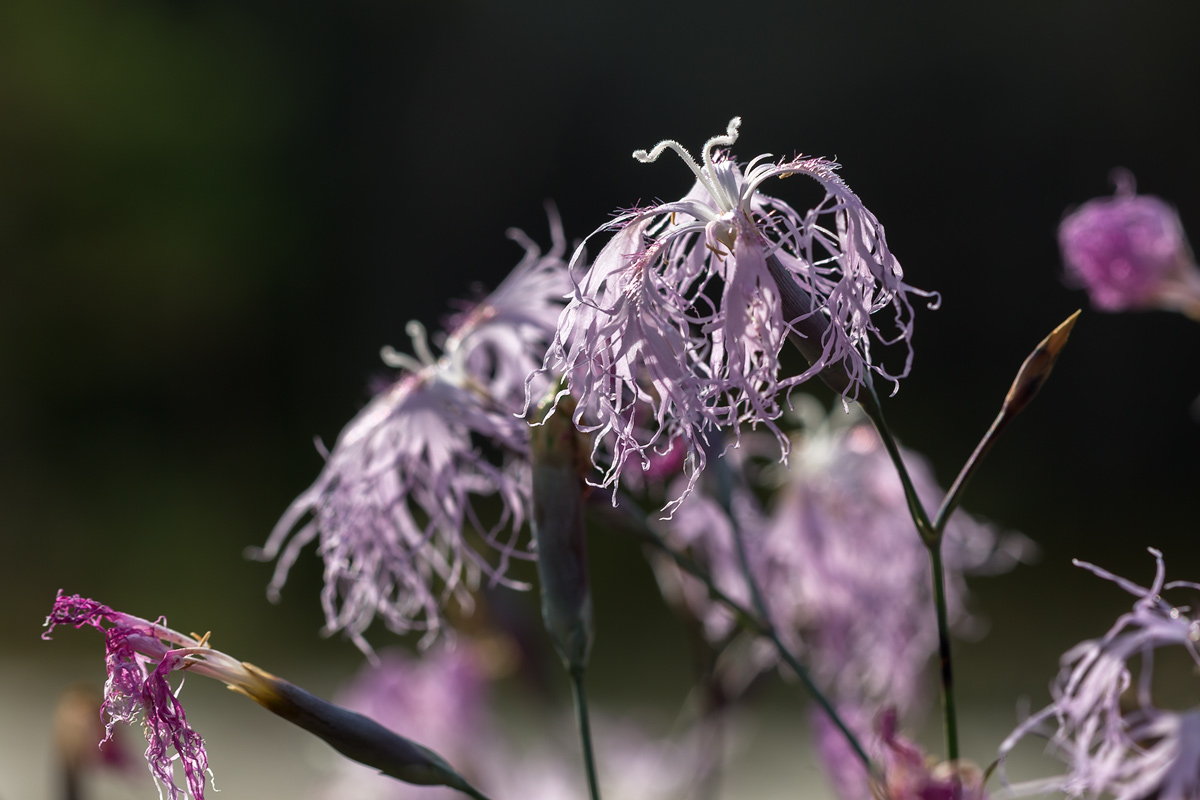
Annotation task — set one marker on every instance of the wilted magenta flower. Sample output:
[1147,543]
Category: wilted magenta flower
[1111,747]
[135,691]
[1130,253]
[682,310]
[908,774]
[140,655]
[391,507]
[839,563]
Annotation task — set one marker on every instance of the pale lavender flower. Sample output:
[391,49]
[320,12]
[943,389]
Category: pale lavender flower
[682,310]
[390,508]
[1110,748]
[839,563]
[701,527]
[1130,252]
[631,765]
[846,570]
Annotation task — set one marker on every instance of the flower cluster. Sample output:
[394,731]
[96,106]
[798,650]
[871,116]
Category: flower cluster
[1130,252]
[677,326]
[393,505]
[1111,748]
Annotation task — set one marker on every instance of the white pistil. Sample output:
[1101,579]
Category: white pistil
[420,342]
[706,174]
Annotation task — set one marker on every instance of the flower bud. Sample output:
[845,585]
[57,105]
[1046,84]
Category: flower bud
[353,735]
[560,461]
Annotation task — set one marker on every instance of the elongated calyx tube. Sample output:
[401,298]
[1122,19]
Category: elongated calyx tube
[809,328]
[350,733]
[560,462]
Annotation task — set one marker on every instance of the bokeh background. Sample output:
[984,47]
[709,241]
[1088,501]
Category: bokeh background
[213,214]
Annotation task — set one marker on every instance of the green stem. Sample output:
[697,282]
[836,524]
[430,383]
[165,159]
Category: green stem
[869,401]
[585,731]
[931,537]
[946,668]
[954,496]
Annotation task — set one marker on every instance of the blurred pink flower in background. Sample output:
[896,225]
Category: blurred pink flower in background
[839,562]
[1130,252]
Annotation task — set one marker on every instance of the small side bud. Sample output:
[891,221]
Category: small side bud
[1037,367]
[560,462]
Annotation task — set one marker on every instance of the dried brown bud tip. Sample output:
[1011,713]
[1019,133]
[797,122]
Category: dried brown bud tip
[1037,367]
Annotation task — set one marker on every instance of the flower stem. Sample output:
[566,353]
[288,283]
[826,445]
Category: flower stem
[946,668]
[1029,380]
[869,401]
[954,496]
[931,537]
[585,731]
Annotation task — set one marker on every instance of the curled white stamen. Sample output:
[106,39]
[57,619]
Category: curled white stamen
[706,174]
[420,342]
[394,358]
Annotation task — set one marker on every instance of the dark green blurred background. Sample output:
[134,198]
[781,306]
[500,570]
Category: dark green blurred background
[213,214]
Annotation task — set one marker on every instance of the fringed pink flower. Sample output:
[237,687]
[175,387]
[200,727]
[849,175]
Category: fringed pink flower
[868,629]
[393,511]
[684,309]
[1114,747]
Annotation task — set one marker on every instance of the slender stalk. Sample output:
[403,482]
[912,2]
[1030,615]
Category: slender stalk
[869,401]
[585,731]
[954,496]
[931,537]
[1032,375]
[747,619]
[946,668]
